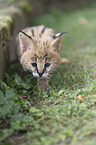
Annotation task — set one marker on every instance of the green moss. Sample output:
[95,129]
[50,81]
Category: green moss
[5,24]
[6,19]
[7,13]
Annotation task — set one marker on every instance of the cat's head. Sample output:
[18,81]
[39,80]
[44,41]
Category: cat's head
[40,56]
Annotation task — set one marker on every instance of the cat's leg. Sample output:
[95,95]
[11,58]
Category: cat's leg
[42,85]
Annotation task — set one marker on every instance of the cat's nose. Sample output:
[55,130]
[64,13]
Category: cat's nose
[40,73]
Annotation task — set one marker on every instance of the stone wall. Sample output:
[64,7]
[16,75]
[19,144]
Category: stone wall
[12,19]
[5,26]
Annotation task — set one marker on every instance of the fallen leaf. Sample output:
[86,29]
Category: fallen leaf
[80,97]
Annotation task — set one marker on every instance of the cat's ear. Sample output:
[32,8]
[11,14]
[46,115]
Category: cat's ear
[26,42]
[56,43]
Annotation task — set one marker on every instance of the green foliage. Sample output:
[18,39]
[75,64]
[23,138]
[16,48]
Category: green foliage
[12,107]
[8,101]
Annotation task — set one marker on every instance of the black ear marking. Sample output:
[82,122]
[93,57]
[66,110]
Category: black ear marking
[62,33]
[25,41]
[58,35]
[54,36]
[25,34]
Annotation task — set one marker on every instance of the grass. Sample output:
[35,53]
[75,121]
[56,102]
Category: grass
[59,118]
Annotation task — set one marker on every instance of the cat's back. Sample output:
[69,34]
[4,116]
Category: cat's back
[39,31]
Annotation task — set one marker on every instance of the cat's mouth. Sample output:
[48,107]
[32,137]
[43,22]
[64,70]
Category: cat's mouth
[40,75]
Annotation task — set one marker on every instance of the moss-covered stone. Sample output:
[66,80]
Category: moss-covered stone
[5,25]
[12,19]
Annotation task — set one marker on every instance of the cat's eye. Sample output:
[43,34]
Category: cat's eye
[47,65]
[34,64]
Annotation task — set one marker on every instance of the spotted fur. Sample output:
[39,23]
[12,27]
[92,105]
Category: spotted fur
[39,51]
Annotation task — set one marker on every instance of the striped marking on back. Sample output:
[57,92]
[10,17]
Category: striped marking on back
[43,30]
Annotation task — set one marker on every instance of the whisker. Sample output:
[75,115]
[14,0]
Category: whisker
[31,77]
[28,75]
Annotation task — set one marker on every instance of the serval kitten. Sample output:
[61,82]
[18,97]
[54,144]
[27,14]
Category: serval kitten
[39,51]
